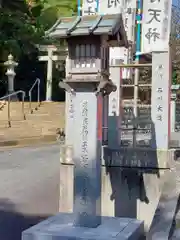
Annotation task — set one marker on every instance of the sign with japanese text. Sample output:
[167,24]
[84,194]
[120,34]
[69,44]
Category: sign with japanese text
[69,118]
[160,99]
[86,130]
[156,22]
[86,155]
[128,10]
[89,7]
[111,6]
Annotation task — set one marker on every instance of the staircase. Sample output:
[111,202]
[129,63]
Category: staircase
[41,124]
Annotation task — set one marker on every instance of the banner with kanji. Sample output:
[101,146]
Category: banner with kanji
[156,24]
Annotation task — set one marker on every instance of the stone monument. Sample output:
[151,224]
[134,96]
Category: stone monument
[137,191]
[88,81]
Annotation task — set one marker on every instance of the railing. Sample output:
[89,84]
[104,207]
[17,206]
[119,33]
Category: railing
[9,103]
[37,82]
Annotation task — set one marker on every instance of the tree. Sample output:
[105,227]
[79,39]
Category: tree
[19,32]
[15,5]
[54,9]
[20,28]
[175,42]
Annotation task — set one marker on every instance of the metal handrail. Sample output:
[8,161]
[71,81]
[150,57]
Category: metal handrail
[9,101]
[37,82]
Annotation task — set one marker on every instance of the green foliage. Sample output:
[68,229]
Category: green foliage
[54,9]
[23,23]
[15,5]
[174,77]
[19,32]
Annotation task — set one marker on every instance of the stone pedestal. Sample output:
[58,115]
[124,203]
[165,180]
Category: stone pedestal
[60,227]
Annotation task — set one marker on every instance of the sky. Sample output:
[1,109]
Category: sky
[174,2]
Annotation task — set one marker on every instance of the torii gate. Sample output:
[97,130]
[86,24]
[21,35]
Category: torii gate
[54,54]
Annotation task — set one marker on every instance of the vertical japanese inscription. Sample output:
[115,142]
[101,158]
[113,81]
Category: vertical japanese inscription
[84,135]
[86,170]
[83,161]
[159,92]
[153,18]
[155,25]
[71,107]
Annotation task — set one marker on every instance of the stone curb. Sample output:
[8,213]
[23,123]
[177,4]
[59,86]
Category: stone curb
[30,141]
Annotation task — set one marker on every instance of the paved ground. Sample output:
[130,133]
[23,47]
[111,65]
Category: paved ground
[29,188]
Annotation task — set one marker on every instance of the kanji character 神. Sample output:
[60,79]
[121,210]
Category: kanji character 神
[152,34]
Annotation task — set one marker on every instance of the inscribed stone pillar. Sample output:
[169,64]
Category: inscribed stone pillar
[87,158]
[160,99]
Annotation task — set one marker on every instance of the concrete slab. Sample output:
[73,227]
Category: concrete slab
[176,235]
[61,227]
[164,215]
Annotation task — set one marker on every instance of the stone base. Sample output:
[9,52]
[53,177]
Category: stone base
[61,227]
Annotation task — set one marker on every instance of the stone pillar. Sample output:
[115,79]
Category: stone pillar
[87,159]
[69,113]
[160,99]
[114,119]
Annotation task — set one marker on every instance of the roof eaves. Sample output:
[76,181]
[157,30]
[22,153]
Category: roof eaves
[75,23]
[95,25]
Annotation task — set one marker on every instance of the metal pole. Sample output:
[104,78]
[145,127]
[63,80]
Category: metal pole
[136,77]
[132,65]
[24,117]
[9,117]
[97,6]
[79,7]
[30,110]
[138,49]
[38,93]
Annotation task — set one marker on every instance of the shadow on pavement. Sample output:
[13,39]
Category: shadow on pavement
[12,223]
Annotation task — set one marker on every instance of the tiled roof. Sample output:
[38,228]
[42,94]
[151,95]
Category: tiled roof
[86,25]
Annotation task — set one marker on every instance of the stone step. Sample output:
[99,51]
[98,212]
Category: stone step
[42,122]
[44,117]
[44,109]
[27,141]
[53,106]
[28,126]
